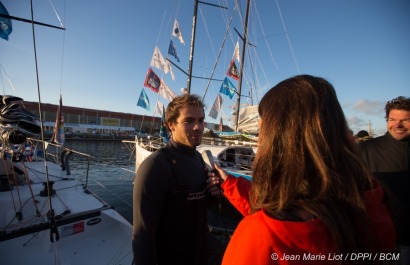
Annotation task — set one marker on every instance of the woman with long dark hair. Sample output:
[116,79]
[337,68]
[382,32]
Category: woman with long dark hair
[311,199]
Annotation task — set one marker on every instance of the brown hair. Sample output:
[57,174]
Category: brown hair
[306,162]
[173,108]
[399,103]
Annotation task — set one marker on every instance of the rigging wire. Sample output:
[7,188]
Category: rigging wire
[160,28]
[8,79]
[287,37]
[263,32]
[220,51]
[55,12]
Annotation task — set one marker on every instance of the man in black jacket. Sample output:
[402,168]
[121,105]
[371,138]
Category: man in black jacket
[388,157]
[170,198]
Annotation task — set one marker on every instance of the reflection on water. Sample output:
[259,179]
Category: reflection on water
[110,171]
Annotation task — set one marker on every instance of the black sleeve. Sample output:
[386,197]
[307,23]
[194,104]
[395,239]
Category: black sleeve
[151,184]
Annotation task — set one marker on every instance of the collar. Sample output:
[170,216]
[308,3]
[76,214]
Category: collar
[392,139]
[181,148]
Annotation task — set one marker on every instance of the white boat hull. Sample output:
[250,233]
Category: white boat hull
[89,231]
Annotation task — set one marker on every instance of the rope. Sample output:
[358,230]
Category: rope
[11,191]
[112,193]
[57,257]
[29,186]
[17,186]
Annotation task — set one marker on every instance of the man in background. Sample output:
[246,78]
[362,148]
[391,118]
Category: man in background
[387,157]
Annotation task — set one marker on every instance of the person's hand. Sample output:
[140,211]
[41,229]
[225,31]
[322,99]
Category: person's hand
[221,173]
[215,179]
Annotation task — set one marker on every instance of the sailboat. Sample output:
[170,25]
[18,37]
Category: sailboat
[48,215]
[234,151]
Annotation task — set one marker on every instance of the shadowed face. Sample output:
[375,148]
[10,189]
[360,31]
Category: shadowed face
[188,128]
[398,124]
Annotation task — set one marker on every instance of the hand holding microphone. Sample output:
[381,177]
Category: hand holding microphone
[216,175]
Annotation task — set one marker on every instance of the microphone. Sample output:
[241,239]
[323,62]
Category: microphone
[209,161]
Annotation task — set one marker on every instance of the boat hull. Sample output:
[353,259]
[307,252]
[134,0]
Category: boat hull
[86,229]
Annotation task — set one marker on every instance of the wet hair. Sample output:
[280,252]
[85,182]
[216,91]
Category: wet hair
[306,162]
[399,103]
[173,109]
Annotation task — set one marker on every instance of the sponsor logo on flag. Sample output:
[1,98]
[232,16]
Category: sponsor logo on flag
[176,32]
[233,71]
[227,88]
[152,81]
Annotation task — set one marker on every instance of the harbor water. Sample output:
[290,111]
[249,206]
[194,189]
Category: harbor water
[110,171]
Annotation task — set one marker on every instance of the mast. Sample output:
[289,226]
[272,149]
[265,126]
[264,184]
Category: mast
[192,48]
[238,102]
[191,51]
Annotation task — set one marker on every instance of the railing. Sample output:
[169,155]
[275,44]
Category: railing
[54,154]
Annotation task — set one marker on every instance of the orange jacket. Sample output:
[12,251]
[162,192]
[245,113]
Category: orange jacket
[236,190]
[261,240]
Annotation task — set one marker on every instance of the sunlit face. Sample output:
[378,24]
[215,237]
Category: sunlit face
[398,124]
[188,128]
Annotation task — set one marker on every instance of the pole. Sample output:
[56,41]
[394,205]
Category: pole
[238,102]
[191,52]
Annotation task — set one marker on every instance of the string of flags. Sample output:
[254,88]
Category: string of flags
[227,88]
[152,80]
[159,62]
[157,85]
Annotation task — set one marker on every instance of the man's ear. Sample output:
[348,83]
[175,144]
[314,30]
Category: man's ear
[171,126]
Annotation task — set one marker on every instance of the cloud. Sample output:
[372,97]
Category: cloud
[365,114]
[368,107]
[356,122]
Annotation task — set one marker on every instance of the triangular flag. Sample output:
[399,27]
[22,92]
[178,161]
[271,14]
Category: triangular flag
[233,71]
[159,62]
[236,52]
[5,23]
[59,132]
[152,81]
[227,88]
[221,126]
[168,65]
[158,108]
[216,107]
[166,92]
[143,100]
[172,51]
[176,32]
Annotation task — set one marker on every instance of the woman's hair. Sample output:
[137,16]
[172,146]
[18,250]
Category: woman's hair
[179,102]
[306,162]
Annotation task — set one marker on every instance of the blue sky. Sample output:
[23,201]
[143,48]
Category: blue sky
[101,59]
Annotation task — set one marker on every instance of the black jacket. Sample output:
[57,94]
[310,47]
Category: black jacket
[389,161]
[170,208]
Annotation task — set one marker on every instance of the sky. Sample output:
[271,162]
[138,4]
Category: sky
[102,57]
